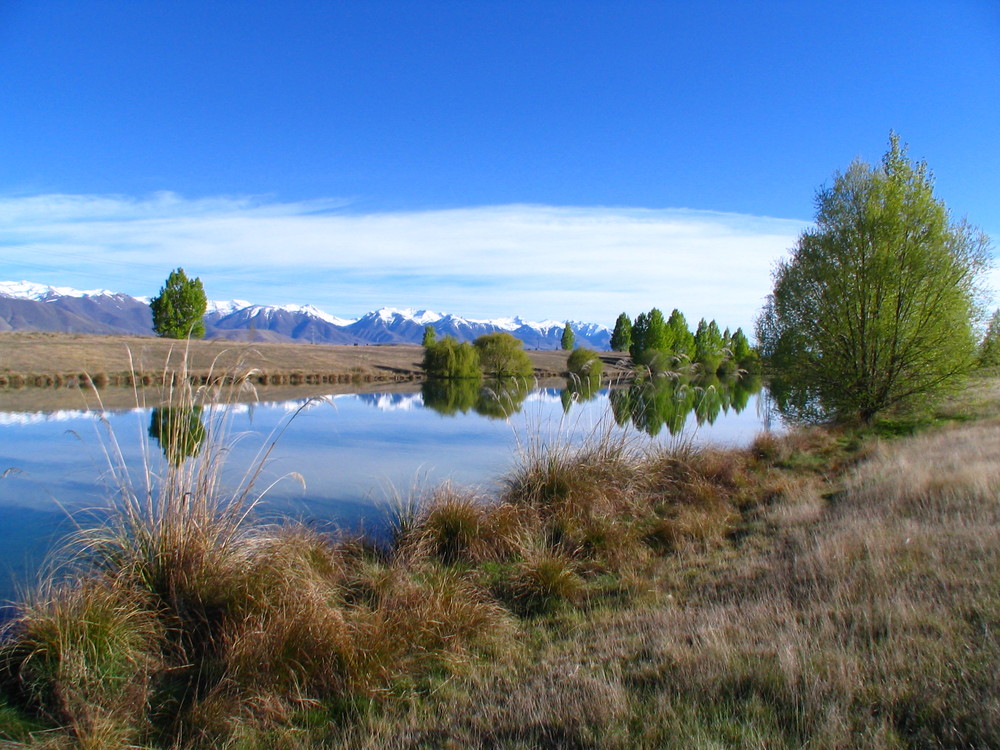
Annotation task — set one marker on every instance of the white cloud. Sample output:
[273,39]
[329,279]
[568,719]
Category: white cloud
[537,261]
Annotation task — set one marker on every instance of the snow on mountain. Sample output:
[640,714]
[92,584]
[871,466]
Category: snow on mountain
[42,293]
[26,305]
[315,312]
[226,308]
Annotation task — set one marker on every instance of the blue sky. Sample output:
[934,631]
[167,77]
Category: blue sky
[564,160]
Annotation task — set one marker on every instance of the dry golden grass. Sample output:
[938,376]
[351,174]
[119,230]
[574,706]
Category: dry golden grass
[59,360]
[863,613]
[815,590]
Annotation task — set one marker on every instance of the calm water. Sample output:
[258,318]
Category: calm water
[351,451]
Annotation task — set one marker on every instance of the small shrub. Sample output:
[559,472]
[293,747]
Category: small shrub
[585,363]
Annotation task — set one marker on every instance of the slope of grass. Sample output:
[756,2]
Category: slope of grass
[816,589]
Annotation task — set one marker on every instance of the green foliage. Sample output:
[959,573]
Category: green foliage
[639,332]
[989,347]
[585,362]
[876,306]
[585,368]
[449,359]
[566,342]
[650,334]
[681,336]
[501,355]
[179,308]
[430,336]
[621,337]
[741,351]
[708,346]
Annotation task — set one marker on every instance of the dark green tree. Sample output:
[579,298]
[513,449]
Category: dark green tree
[430,335]
[566,342]
[502,355]
[621,337]
[640,330]
[179,308]
[742,353]
[989,347]
[877,304]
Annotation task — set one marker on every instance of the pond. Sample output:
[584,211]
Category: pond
[337,459]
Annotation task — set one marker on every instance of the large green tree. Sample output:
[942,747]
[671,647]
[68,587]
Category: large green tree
[709,346]
[877,304]
[681,337]
[179,308]
[650,335]
[501,355]
[450,360]
[621,337]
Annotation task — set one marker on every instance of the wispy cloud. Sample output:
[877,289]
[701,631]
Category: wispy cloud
[581,263]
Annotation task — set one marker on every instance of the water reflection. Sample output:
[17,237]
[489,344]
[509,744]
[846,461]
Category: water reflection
[179,431]
[496,398]
[654,403]
[649,404]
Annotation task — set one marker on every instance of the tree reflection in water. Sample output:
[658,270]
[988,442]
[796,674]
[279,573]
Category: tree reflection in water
[649,404]
[496,398]
[654,403]
[179,430]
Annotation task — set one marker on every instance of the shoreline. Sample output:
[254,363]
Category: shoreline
[31,361]
[42,371]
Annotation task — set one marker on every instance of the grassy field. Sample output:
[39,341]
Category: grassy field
[55,360]
[821,588]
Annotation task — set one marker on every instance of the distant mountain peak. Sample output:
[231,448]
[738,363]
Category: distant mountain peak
[42,292]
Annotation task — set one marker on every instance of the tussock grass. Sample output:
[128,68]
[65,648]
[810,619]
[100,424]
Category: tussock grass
[817,589]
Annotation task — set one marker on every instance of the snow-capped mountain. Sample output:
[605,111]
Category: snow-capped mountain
[36,307]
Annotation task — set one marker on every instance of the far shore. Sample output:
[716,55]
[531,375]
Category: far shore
[40,371]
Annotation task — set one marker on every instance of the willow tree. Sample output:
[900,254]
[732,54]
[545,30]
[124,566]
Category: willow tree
[877,305]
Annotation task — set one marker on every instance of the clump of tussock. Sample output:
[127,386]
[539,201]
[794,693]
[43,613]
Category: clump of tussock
[460,526]
[542,581]
[696,495]
[581,500]
[83,656]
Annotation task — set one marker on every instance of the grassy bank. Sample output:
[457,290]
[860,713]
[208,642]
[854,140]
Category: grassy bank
[820,589]
[59,360]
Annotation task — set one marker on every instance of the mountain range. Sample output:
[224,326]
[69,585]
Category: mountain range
[27,306]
